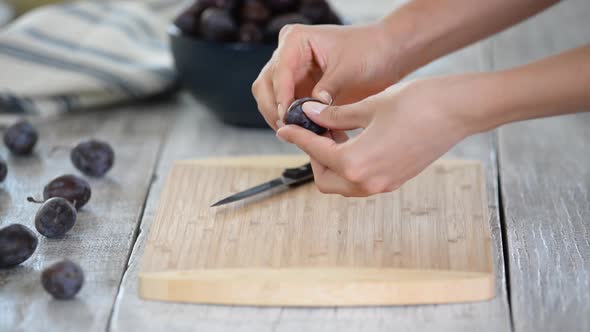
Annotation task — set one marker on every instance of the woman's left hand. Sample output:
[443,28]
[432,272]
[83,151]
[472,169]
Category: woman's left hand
[406,128]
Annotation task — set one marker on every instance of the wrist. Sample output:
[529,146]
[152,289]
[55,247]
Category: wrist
[399,36]
[413,36]
[477,101]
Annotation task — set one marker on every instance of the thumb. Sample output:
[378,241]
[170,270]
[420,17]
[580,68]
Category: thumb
[346,117]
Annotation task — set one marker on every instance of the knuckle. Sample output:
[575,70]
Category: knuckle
[332,114]
[354,170]
[255,86]
[290,32]
[286,31]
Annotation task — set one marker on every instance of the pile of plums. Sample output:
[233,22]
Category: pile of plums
[62,198]
[251,21]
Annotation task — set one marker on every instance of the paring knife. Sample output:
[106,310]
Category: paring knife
[291,178]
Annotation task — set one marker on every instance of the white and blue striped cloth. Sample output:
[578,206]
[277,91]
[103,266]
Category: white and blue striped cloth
[83,55]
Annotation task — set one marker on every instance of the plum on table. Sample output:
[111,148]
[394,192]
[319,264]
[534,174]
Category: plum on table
[55,217]
[17,244]
[21,137]
[63,280]
[71,187]
[93,157]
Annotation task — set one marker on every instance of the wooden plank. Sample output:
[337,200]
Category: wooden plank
[546,188]
[427,242]
[545,185]
[101,239]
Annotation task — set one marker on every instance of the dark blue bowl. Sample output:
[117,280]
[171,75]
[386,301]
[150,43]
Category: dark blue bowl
[220,75]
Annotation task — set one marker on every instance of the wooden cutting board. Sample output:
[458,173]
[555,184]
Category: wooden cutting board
[428,242]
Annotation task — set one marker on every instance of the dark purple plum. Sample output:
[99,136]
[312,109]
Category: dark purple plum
[218,25]
[223,4]
[17,244]
[21,137]
[55,217]
[188,20]
[283,6]
[93,157]
[63,280]
[255,11]
[71,187]
[296,116]
[250,33]
[319,12]
[332,18]
[277,23]
[3,169]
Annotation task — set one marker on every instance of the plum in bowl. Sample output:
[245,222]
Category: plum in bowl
[220,46]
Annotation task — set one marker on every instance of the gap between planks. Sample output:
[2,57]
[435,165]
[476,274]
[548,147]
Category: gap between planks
[163,139]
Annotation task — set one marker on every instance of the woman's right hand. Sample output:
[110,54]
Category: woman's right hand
[336,64]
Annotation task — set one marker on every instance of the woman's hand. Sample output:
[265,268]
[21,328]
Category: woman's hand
[406,127]
[335,64]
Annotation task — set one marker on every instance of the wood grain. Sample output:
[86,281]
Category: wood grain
[301,247]
[101,239]
[545,168]
[545,178]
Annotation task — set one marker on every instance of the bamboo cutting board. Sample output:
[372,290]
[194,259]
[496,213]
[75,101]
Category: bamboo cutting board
[428,242]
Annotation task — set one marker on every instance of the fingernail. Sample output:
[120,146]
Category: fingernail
[281,111]
[325,97]
[280,123]
[313,107]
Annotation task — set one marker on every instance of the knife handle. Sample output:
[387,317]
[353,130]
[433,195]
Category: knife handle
[299,175]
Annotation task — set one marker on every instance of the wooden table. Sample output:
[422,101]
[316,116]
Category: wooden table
[538,177]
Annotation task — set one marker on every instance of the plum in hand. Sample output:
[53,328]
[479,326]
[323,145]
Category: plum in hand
[296,116]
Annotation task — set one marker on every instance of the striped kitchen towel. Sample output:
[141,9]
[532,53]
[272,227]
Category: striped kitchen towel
[83,55]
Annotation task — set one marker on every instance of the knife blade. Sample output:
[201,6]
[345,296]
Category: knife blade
[290,178]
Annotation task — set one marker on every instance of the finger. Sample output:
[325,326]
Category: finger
[290,56]
[345,117]
[328,87]
[320,148]
[265,98]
